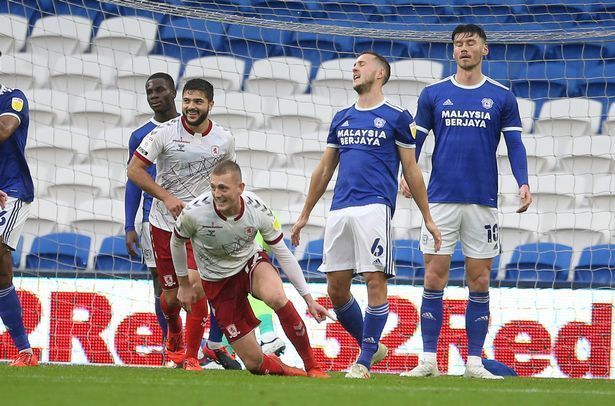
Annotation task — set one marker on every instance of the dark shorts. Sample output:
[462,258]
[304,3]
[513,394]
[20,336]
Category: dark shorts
[228,299]
[161,242]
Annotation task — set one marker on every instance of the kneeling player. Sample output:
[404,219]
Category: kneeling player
[222,225]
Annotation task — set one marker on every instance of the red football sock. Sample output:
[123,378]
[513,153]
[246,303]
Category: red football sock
[195,326]
[171,314]
[269,367]
[295,330]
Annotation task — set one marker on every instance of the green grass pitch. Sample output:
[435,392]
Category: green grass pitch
[90,385]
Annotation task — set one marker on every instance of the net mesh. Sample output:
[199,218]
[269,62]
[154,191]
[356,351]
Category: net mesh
[281,69]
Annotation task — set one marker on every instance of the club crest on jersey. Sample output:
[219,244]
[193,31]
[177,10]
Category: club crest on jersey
[413,129]
[168,280]
[17,103]
[487,103]
[232,331]
[250,231]
[379,122]
[215,150]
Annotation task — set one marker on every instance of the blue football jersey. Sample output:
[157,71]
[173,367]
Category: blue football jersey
[15,178]
[367,141]
[133,193]
[466,122]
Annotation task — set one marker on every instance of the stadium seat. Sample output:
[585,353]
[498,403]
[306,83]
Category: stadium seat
[99,109]
[111,156]
[278,76]
[240,110]
[99,218]
[59,251]
[125,37]
[578,229]
[542,80]
[276,187]
[223,72]
[93,10]
[596,266]
[541,155]
[457,270]
[113,256]
[24,71]
[589,154]
[57,146]
[303,154]
[189,38]
[516,229]
[75,184]
[539,262]
[569,116]
[359,10]
[312,257]
[13,30]
[79,73]
[486,11]
[300,114]
[409,263]
[419,12]
[47,216]
[132,73]
[47,107]
[527,110]
[513,53]
[20,9]
[286,10]
[602,196]
[59,35]
[608,127]
[320,47]
[112,10]
[253,42]
[260,150]
[409,77]
[556,192]
[598,84]
[334,82]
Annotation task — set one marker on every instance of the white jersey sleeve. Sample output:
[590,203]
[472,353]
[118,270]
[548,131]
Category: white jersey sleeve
[153,144]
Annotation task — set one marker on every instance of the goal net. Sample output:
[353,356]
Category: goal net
[281,69]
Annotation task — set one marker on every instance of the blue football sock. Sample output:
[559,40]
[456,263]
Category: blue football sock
[375,319]
[349,315]
[477,322]
[162,322]
[10,312]
[215,334]
[431,319]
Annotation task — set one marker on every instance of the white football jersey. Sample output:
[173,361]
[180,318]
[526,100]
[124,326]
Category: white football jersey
[184,162]
[222,246]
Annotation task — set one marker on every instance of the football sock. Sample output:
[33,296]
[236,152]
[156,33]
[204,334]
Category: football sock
[295,330]
[431,319]
[477,322]
[10,312]
[195,326]
[215,333]
[375,319]
[266,328]
[171,315]
[162,322]
[349,315]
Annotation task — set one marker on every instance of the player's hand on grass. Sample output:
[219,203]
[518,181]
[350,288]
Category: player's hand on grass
[295,232]
[318,311]
[435,232]
[174,205]
[186,294]
[405,189]
[526,198]
[132,242]
[3,198]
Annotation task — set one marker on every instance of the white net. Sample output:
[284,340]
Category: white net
[280,71]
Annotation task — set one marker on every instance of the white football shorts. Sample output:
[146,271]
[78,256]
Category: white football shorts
[359,238]
[147,251]
[12,219]
[475,225]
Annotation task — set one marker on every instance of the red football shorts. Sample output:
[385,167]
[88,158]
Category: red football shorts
[228,299]
[161,242]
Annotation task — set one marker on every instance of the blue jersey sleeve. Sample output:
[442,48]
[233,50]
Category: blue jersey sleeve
[405,130]
[15,105]
[132,195]
[423,119]
[511,120]
[332,139]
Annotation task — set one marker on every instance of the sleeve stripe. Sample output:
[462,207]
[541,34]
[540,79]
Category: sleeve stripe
[144,159]
[178,235]
[277,240]
[13,115]
[404,145]
[422,129]
[333,146]
[512,129]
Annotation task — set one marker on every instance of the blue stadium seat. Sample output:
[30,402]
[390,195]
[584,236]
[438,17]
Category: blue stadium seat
[278,9]
[560,11]
[317,47]
[189,38]
[16,255]
[252,42]
[357,10]
[25,8]
[389,48]
[503,72]
[91,9]
[596,266]
[419,12]
[113,10]
[485,11]
[539,262]
[312,257]
[507,52]
[409,263]
[59,251]
[113,256]
[541,80]
[222,6]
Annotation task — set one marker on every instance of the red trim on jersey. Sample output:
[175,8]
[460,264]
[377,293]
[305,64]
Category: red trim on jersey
[178,235]
[191,131]
[277,240]
[144,159]
[223,217]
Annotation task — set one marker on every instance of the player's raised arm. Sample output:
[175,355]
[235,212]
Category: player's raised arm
[318,185]
[414,178]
